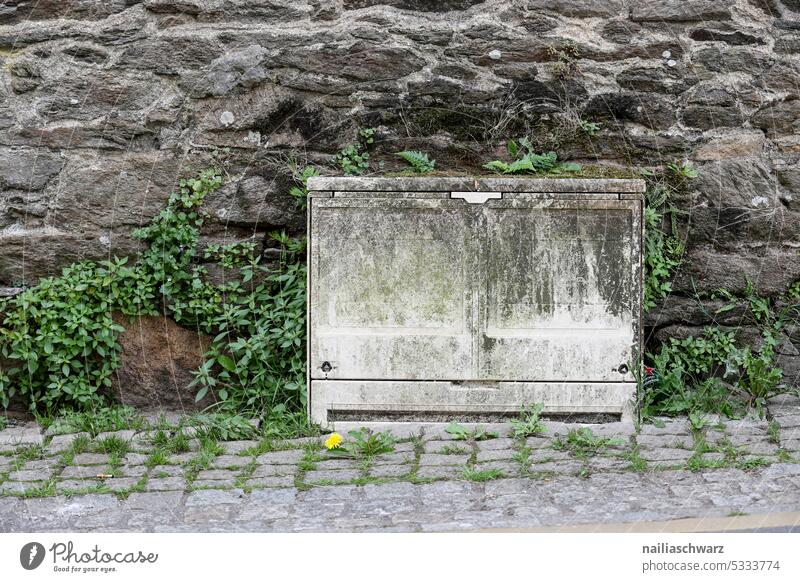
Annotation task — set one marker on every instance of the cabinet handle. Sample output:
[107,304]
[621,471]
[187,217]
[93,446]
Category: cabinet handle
[476,197]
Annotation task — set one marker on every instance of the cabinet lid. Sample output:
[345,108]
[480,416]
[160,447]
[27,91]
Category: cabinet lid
[476,184]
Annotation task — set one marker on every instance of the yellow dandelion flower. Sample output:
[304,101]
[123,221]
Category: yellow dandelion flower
[333,441]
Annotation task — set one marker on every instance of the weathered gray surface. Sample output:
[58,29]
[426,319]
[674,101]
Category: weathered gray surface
[429,304]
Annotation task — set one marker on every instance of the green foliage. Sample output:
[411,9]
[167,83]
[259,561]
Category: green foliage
[761,378]
[113,445]
[793,293]
[168,262]
[460,432]
[711,373]
[527,161]
[683,169]
[364,444]
[529,423]
[419,161]
[663,249]
[64,342]
[61,338]
[256,361]
[566,56]
[354,159]
[590,128]
[61,335]
[683,371]
[582,442]
[300,191]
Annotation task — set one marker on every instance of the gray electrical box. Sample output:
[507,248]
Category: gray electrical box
[433,299]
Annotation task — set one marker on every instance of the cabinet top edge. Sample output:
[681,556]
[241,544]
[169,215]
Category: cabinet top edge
[476,184]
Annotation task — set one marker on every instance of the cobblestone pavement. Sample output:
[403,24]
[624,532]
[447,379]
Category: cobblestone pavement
[168,480]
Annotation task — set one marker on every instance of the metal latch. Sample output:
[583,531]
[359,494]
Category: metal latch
[477,197]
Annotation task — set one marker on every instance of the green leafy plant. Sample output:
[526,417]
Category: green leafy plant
[529,423]
[527,161]
[683,169]
[62,339]
[663,249]
[354,159]
[582,442]
[460,432]
[256,362]
[300,190]
[419,161]
[590,128]
[683,380]
[566,56]
[761,378]
[689,375]
[364,444]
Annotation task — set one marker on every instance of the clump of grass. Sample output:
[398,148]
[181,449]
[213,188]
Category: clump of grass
[528,423]
[774,432]
[698,463]
[114,446]
[156,457]
[473,474]
[749,464]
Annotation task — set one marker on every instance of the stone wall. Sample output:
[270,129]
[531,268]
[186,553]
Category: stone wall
[105,103]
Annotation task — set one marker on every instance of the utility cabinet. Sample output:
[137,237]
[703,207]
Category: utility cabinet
[438,299]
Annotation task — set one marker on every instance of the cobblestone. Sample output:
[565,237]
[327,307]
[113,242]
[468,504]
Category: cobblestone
[661,455]
[331,476]
[440,472]
[274,470]
[215,475]
[85,472]
[230,461]
[236,447]
[495,455]
[62,442]
[386,471]
[430,460]
[289,457]
[165,484]
[277,481]
[123,435]
[91,459]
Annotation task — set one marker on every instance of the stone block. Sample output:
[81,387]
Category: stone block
[165,484]
[289,457]
[430,460]
[389,471]
[332,476]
